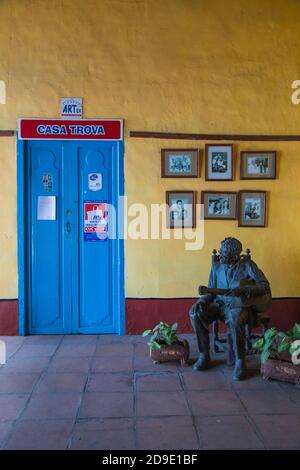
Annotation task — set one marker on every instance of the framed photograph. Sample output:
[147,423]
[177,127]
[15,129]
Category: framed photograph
[252,208]
[258,165]
[219,162]
[179,163]
[219,205]
[181,209]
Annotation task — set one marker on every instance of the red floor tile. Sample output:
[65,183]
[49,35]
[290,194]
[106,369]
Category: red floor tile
[80,349]
[255,381]
[43,339]
[40,435]
[206,380]
[75,340]
[103,434]
[227,432]
[36,350]
[5,429]
[290,390]
[142,350]
[158,382]
[25,365]
[172,433]
[53,405]
[106,382]
[114,349]
[61,383]
[12,405]
[267,401]
[279,431]
[114,364]
[161,404]
[17,383]
[145,364]
[107,405]
[72,365]
[214,402]
[12,343]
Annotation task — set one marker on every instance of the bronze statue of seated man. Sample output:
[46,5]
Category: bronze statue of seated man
[237,292]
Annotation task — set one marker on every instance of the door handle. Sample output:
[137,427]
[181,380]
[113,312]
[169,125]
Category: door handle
[68,227]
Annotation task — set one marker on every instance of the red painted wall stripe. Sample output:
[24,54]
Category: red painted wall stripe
[9,317]
[144,313]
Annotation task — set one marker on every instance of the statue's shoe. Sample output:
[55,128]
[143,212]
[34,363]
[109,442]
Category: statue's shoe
[240,369]
[202,363]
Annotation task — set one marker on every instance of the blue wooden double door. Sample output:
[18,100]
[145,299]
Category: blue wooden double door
[74,252]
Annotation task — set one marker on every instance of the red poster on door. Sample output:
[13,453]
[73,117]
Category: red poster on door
[95,221]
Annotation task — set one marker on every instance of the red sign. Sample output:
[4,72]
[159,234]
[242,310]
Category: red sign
[64,129]
[95,220]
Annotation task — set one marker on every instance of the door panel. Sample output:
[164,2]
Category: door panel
[47,306]
[95,257]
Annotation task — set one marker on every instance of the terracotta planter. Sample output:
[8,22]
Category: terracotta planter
[173,352]
[281,370]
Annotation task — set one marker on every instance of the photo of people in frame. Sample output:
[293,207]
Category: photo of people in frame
[252,208]
[178,211]
[218,205]
[180,163]
[219,162]
[256,164]
[181,208]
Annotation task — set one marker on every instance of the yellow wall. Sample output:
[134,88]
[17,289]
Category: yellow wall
[8,213]
[165,269]
[210,66]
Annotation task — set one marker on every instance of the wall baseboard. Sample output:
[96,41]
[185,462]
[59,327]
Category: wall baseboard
[144,313]
[8,317]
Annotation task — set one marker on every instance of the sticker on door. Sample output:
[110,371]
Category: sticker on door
[95,181]
[48,182]
[95,221]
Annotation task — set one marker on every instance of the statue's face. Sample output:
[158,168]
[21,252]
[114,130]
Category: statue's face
[228,256]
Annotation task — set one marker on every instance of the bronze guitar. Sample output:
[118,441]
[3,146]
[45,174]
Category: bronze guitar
[215,291]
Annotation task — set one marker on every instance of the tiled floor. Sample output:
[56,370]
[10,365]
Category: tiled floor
[103,392]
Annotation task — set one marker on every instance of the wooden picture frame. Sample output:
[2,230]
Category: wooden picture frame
[176,212]
[219,162]
[219,205]
[255,215]
[258,165]
[180,163]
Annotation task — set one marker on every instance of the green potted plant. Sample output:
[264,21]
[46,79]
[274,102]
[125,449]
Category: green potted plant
[279,351]
[165,345]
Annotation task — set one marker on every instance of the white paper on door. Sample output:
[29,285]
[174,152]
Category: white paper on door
[46,209]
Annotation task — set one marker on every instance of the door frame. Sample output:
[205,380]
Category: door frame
[22,240]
